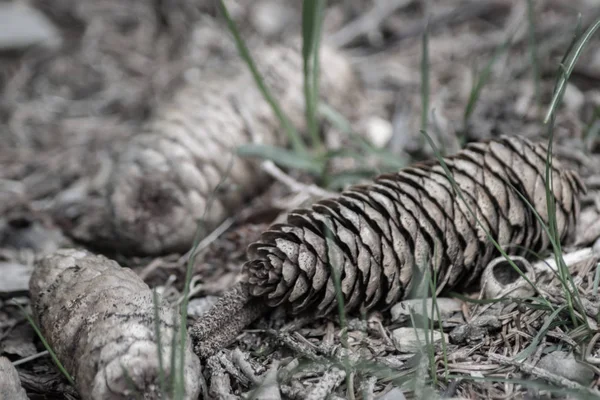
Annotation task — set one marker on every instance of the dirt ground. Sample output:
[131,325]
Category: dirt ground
[68,107]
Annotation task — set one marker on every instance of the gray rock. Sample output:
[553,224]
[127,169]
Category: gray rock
[24,26]
[564,364]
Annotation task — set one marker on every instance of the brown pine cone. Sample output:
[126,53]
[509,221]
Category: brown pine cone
[167,176]
[377,236]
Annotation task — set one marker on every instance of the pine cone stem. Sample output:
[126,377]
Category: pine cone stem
[235,310]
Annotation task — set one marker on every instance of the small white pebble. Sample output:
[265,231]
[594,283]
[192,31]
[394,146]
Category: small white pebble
[379,131]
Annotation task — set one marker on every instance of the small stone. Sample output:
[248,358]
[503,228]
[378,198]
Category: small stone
[460,334]
[411,340]
[24,26]
[379,131]
[270,18]
[394,394]
[564,364]
[447,308]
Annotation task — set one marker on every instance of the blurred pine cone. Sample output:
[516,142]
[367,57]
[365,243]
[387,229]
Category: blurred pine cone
[167,176]
[377,237]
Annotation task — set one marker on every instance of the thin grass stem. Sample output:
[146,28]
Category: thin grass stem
[292,133]
[47,346]
[567,68]
[533,52]
[161,365]
[425,79]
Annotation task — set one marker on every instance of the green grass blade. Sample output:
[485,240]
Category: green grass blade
[483,78]
[435,308]
[336,118]
[283,157]
[176,378]
[312,19]
[161,365]
[425,81]
[569,64]
[292,133]
[344,179]
[532,44]
[386,157]
[340,304]
[537,384]
[564,278]
[61,368]
[565,69]
[180,386]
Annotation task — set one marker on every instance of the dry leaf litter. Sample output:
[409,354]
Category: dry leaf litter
[127,67]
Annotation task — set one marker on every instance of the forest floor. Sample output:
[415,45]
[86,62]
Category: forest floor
[492,67]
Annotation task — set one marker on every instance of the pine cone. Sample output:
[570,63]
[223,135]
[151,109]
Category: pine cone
[375,237]
[167,176]
[99,318]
